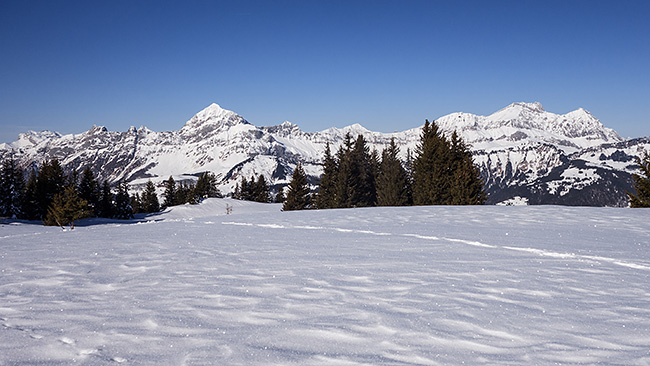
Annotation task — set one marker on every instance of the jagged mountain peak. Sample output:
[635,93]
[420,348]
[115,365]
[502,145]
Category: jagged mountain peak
[212,119]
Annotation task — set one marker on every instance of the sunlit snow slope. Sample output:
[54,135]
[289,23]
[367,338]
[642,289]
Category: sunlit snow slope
[488,285]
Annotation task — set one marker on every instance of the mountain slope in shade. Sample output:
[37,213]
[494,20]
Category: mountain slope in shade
[525,153]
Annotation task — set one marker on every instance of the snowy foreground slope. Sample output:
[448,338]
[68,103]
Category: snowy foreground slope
[384,286]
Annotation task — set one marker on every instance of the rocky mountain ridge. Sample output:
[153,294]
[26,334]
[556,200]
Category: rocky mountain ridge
[526,154]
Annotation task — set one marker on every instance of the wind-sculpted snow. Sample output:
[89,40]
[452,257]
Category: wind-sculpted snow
[385,286]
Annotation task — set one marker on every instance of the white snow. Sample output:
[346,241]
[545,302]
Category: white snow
[489,285]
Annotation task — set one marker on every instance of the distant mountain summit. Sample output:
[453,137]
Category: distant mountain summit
[526,154]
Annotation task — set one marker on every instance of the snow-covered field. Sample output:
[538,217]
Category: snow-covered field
[484,285]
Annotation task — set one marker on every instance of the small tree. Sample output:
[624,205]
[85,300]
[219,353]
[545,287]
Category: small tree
[12,187]
[149,200]
[298,195]
[392,182]
[89,190]
[280,198]
[169,196]
[261,190]
[641,183]
[66,208]
[122,207]
[105,205]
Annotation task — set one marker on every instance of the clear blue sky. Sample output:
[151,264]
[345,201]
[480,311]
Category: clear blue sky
[66,65]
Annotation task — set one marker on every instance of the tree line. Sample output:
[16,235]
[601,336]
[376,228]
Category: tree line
[441,173]
[55,198]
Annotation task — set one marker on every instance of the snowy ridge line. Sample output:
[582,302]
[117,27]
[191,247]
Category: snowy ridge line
[544,253]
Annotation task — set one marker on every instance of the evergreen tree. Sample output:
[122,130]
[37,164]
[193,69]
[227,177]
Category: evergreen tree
[105,205]
[326,197]
[30,204]
[280,197]
[345,174]
[183,193]
[298,195]
[467,186]
[641,183]
[136,203]
[206,187]
[149,199]
[392,182]
[50,181]
[122,205]
[261,190]
[88,189]
[66,208]
[12,188]
[431,168]
[169,196]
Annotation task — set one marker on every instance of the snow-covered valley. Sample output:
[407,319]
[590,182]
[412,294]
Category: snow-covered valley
[488,285]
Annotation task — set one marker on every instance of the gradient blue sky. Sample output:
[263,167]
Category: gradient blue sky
[388,65]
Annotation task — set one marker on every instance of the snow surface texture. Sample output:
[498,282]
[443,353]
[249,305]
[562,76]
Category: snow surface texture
[486,285]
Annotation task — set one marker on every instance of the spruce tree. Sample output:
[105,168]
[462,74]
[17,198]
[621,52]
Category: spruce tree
[169,196]
[280,197]
[49,183]
[136,203]
[30,204]
[641,184]
[89,190]
[206,187]
[66,208]
[12,189]
[105,205]
[431,169]
[392,182]
[149,198]
[298,195]
[344,176]
[466,186]
[122,205]
[326,197]
[261,190]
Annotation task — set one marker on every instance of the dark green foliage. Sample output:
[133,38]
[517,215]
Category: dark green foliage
[50,181]
[641,183]
[298,194]
[392,182]
[12,189]
[105,205]
[206,187]
[30,204]
[136,203]
[326,196]
[149,199]
[260,191]
[89,190]
[280,197]
[169,196]
[243,190]
[122,205]
[431,168]
[66,208]
[466,186]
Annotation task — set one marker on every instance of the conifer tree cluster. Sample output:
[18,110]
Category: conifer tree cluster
[192,193]
[641,184]
[298,193]
[442,173]
[253,190]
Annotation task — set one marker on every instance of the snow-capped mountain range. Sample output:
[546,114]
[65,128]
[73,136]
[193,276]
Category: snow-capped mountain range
[526,154]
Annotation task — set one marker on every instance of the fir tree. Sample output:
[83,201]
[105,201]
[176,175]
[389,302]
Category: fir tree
[149,199]
[88,189]
[206,187]
[641,184]
[30,205]
[169,196]
[345,174]
[105,205]
[66,208]
[122,206]
[12,187]
[326,197]
[49,183]
[392,182]
[431,168]
[261,190]
[298,195]
[466,185]
[136,203]
[280,197]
